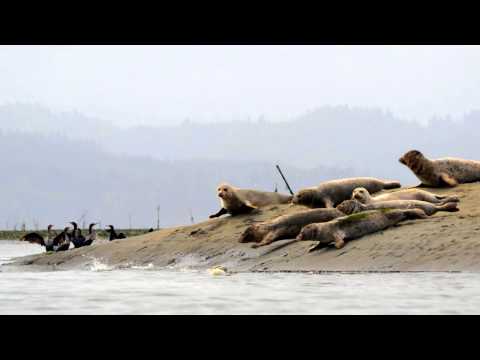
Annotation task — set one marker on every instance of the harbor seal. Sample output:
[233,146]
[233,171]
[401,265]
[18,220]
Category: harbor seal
[331,193]
[446,172]
[235,201]
[362,195]
[354,206]
[355,226]
[286,226]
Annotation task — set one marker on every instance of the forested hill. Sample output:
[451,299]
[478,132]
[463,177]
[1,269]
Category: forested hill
[56,180]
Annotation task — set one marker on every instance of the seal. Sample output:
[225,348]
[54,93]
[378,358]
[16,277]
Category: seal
[446,172]
[362,195]
[331,193]
[286,226]
[354,206]
[355,226]
[236,201]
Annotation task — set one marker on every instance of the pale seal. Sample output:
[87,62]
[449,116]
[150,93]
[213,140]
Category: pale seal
[235,201]
[355,226]
[286,226]
[362,195]
[331,193]
[446,172]
[354,206]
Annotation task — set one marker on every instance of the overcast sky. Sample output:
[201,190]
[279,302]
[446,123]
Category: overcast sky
[131,85]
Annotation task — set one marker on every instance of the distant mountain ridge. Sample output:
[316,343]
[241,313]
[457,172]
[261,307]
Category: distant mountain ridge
[55,180]
[368,140]
[39,119]
[59,165]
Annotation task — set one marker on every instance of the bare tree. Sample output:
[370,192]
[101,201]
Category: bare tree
[82,219]
[192,220]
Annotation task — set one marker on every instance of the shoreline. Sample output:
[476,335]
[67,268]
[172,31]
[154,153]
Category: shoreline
[102,234]
[445,242]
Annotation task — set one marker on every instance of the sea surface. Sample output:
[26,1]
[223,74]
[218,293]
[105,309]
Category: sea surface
[147,290]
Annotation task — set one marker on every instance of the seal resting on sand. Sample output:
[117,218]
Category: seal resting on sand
[446,172]
[355,226]
[286,226]
[354,206]
[235,201]
[362,195]
[331,193]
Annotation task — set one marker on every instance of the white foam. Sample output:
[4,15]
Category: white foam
[98,265]
[145,267]
[187,262]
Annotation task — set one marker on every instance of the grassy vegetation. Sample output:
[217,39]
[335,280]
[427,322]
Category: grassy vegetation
[16,235]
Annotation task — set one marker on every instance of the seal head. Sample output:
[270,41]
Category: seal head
[350,207]
[411,157]
[308,232]
[362,195]
[304,197]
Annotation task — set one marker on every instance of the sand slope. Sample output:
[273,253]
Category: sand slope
[444,242]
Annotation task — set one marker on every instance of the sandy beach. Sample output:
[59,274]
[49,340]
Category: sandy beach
[444,242]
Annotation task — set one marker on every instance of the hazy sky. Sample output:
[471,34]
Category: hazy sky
[131,85]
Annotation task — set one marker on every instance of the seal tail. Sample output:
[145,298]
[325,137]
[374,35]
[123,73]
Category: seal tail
[392,185]
[448,199]
[413,214]
[450,207]
[250,235]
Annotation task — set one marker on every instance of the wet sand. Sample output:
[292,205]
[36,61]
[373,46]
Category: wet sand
[444,242]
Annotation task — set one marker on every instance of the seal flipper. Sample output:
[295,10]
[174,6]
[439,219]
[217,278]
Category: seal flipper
[328,203]
[318,246]
[246,208]
[450,207]
[448,199]
[392,185]
[339,239]
[413,214]
[218,214]
[448,180]
[266,241]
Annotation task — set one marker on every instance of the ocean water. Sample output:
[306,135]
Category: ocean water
[148,290]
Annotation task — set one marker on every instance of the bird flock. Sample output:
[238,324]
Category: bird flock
[70,235]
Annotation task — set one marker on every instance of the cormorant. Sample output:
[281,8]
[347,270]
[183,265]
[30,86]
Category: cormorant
[36,238]
[92,235]
[53,242]
[114,235]
[76,236]
[64,243]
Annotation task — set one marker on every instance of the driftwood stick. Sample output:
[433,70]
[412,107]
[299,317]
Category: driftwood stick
[283,177]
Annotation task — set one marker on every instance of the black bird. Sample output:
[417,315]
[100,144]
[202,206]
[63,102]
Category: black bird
[64,240]
[113,233]
[92,235]
[53,242]
[36,238]
[76,236]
